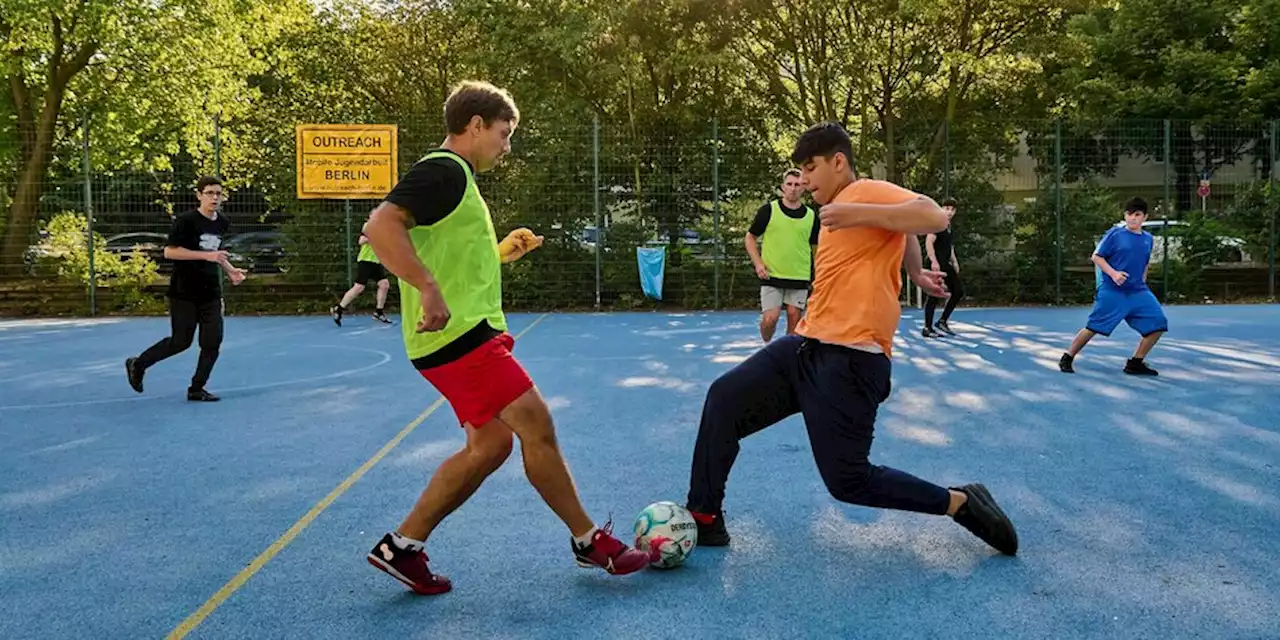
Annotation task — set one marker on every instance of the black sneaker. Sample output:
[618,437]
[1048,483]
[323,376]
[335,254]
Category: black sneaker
[200,395]
[928,332]
[134,373]
[945,328]
[711,529]
[336,312]
[1138,367]
[1064,363]
[983,518]
[381,317]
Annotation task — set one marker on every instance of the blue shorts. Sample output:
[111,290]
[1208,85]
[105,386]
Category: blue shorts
[1139,308]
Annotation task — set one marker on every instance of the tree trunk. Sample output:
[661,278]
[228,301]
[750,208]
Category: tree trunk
[26,199]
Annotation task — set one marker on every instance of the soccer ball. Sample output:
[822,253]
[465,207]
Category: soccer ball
[669,528]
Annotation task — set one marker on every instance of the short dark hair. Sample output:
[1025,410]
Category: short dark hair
[791,173]
[1135,204]
[949,202]
[205,181]
[824,139]
[475,98]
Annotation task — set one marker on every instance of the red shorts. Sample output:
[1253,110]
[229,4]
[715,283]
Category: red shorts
[482,383]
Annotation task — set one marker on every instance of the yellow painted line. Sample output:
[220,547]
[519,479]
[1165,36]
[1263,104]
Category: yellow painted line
[283,541]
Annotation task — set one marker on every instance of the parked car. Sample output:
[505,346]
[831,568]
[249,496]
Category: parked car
[1231,249]
[257,251]
[146,243]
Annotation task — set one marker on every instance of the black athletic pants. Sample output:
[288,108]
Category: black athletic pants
[838,391]
[956,287]
[184,317]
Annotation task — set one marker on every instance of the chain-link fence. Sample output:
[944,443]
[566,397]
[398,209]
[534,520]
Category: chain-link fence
[86,240]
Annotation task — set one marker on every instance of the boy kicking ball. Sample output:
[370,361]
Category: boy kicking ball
[1124,252]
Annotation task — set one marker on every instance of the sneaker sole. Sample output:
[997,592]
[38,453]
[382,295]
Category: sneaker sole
[420,590]
[587,564]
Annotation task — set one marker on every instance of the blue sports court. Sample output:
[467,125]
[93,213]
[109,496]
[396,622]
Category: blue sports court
[1146,508]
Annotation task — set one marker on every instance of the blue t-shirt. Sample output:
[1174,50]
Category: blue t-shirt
[1128,252]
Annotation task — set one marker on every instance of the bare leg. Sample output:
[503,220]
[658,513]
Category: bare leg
[352,293]
[458,478]
[1144,347]
[544,465]
[384,285]
[769,323]
[793,319]
[1081,340]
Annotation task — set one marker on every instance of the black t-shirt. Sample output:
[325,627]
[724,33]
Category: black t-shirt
[430,191]
[942,244]
[761,223]
[198,280]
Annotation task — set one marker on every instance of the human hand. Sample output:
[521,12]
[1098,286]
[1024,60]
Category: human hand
[435,313]
[518,243]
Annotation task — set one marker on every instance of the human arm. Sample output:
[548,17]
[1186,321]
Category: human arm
[517,244]
[184,233]
[955,262]
[933,282]
[752,241]
[388,234]
[886,206]
[427,194]
[1106,249]
[933,254]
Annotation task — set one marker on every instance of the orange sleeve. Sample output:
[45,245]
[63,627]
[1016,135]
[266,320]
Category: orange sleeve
[881,192]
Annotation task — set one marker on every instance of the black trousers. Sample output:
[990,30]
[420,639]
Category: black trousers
[956,287]
[185,316]
[838,390]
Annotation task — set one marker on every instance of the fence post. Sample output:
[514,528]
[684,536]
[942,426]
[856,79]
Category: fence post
[1168,160]
[715,203]
[595,192]
[88,214]
[1057,210]
[1271,267]
[346,205]
[217,145]
[946,159]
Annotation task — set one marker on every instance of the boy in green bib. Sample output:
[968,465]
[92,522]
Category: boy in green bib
[789,231]
[434,232]
[368,269]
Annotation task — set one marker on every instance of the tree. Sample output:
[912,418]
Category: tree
[1204,66]
[151,82]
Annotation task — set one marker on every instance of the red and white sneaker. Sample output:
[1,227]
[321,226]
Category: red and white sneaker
[610,554]
[409,567]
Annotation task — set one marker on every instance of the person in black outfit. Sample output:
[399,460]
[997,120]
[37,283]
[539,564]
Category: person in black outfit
[942,255]
[195,290]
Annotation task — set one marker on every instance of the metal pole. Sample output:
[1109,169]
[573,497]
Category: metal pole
[1057,210]
[1271,199]
[715,202]
[946,161]
[1168,206]
[350,276]
[217,145]
[595,192]
[88,213]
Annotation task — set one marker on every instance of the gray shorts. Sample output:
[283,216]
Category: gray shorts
[774,297]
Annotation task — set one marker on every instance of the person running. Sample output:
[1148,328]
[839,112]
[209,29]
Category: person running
[368,269]
[195,290]
[835,371]
[941,249]
[785,265]
[434,232]
[1123,252]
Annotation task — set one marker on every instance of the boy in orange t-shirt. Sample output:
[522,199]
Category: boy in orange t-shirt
[835,371]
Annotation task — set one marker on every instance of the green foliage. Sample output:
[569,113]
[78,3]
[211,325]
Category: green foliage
[68,256]
[1087,213]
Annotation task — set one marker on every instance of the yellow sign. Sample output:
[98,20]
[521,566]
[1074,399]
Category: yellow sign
[346,161]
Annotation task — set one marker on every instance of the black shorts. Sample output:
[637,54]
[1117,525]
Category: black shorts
[367,272]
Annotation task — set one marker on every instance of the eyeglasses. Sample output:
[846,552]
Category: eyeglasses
[218,194]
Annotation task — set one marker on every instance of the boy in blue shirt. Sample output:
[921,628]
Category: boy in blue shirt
[1123,253]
